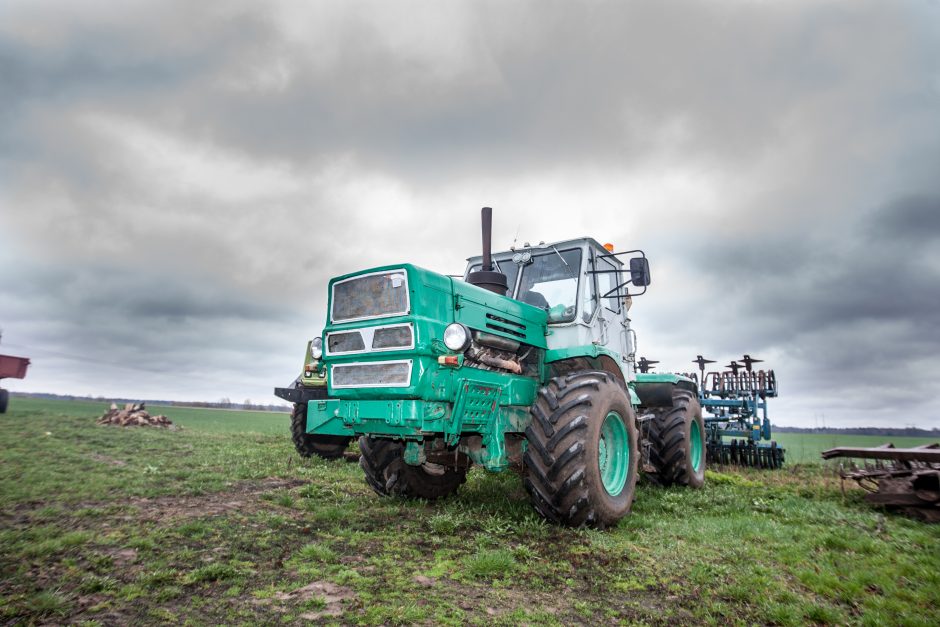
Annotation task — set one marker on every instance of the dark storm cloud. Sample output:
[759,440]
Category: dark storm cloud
[135,325]
[853,312]
[914,218]
[180,181]
[591,83]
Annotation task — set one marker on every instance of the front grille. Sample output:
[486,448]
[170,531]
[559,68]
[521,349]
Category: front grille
[370,296]
[382,374]
[392,337]
[504,325]
[346,342]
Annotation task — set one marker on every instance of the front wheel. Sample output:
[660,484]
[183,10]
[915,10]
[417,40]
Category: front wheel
[4,401]
[307,444]
[383,463]
[582,456]
[677,436]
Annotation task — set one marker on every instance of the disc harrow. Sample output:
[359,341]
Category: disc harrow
[737,426]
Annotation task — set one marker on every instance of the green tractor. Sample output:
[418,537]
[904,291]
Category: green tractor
[526,363]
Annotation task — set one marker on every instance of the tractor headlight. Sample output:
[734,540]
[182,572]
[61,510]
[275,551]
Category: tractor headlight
[457,337]
[316,348]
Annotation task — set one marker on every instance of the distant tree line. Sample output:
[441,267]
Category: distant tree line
[912,432]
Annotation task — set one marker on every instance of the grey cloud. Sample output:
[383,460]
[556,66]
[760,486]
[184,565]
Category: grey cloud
[596,83]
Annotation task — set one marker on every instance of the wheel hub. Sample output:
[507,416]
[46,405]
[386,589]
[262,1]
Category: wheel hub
[696,446]
[613,454]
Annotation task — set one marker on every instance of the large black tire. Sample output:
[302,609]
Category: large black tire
[4,401]
[563,459]
[308,445]
[383,462]
[673,454]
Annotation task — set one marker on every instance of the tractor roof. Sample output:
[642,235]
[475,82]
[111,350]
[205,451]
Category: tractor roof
[568,243]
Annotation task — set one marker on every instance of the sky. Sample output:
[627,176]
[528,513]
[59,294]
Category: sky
[178,180]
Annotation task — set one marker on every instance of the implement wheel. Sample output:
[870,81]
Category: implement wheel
[308,445]
[677,435]
[4,401]
[383,462]
[582,456]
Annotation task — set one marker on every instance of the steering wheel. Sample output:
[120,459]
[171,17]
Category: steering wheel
[560,312]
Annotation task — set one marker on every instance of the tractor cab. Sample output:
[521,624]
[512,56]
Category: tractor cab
[582,286]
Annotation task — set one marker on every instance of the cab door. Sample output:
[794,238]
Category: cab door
[613,325]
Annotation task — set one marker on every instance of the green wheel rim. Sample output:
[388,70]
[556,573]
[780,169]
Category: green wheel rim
[613,454]
[696,446]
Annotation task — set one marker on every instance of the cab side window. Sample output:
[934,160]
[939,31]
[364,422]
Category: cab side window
[589,296]
[608,282]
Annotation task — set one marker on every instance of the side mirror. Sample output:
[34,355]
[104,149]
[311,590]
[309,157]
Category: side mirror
[640,271]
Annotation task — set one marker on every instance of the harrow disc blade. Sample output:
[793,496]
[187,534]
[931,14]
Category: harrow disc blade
[746,454]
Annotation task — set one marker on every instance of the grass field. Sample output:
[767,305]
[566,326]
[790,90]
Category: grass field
[221,523]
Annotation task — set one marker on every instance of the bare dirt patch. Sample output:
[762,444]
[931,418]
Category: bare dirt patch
[327,598]
[110,461]
[243,497]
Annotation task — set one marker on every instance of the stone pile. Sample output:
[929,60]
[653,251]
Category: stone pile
[134,415]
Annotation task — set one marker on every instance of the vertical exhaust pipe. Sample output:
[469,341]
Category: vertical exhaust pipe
[486,277]
[486,217]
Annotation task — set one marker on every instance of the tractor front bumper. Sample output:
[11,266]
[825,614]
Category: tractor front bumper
[416,420]
[409,419]
[301,394]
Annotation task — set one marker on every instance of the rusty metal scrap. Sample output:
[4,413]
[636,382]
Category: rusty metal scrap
[907,479]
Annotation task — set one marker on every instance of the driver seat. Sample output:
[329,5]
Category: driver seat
[536,299]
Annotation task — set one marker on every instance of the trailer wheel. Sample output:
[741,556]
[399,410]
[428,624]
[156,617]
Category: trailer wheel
[582,457]
[386,472]
[677,436]
[308,445]
[4,401]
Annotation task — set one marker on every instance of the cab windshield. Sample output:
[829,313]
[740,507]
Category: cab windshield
[549,281]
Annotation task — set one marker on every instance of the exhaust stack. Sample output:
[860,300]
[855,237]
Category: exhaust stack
[486,277]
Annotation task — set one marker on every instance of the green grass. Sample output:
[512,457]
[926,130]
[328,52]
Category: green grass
[222,523]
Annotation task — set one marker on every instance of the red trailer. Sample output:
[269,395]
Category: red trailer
[10,368]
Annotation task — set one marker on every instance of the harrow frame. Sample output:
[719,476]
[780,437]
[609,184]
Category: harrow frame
[737,425]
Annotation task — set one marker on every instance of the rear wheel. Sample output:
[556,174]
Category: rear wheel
[677,438]
[386,472]
[308,445]
[582,455]
[4,401]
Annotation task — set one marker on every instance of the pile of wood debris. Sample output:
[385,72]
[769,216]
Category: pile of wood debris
[134,415]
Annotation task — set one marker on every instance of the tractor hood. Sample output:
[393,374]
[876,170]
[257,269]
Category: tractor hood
[482,310]
[386,326]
